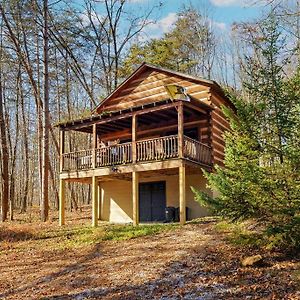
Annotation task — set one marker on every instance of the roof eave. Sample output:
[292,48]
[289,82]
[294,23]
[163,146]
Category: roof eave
[143,65]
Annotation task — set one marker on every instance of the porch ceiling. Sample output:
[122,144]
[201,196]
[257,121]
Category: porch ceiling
[121,121]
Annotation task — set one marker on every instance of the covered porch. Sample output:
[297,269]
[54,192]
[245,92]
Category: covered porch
[155,137]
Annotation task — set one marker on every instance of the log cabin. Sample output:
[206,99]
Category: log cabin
[152,137]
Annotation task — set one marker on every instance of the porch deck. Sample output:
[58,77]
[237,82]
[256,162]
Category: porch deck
[147,150]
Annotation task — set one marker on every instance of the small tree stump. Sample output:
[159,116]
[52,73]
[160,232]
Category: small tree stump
[254,260]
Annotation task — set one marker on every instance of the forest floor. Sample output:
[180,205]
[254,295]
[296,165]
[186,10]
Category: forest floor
[197,261]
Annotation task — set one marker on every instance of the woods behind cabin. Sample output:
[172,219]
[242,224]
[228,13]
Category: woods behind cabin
[59,59]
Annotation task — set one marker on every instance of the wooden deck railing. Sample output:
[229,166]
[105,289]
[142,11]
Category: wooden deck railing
[161,148]
[114,155]
[157,148]
[196,151]
[78,160]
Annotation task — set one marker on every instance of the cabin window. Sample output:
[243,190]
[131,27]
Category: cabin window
[125,141]
[173,132]
[191,133]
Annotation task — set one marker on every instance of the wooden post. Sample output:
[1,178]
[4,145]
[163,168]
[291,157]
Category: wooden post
[62,195]
[61,149]
[182,200]
[99,200]
[135,198]
[210,133]
[94,145]
[180,130]
[134,136]
[94,201]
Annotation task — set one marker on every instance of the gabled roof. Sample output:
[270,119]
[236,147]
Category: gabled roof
[145,66]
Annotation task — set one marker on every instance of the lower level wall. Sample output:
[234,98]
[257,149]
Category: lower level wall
[116,197]
[116,201]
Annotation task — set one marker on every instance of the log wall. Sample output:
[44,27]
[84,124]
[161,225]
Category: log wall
[219,125]
[149,88]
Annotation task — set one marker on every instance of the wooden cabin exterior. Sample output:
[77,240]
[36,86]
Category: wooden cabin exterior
[148,149]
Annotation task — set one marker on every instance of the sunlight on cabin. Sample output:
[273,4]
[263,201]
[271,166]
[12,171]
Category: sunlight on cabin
[117,214]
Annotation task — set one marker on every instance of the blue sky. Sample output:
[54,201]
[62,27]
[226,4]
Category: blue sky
[226,11]
[222,12]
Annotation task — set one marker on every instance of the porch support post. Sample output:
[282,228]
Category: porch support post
[94,201]
[134,136]
[135,198]
[62,195]
[61,149]
[182,200]
[180,129]
[99,200]
[94,145]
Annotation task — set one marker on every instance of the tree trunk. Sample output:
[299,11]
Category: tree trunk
[46,125]
[24,196]
[5,158]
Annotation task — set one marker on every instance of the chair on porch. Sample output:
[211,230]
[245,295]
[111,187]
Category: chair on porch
[190,149]
[159,149]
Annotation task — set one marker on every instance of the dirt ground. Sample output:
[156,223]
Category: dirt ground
[190,262]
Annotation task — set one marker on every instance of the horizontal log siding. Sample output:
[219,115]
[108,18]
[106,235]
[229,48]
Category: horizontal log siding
[149,88]
[219,126]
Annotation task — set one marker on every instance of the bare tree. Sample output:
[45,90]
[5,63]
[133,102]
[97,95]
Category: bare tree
[54,67]
[46,119]
[4,145]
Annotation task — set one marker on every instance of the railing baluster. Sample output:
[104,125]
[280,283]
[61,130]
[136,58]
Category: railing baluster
[157,148]
[197,151]
[147,150]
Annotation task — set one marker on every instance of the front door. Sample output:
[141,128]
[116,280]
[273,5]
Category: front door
[152,201]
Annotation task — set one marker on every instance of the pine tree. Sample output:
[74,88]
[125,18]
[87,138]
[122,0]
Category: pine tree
[189,47]
[261,177]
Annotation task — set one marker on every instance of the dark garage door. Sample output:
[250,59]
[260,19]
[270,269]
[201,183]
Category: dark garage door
[152,203]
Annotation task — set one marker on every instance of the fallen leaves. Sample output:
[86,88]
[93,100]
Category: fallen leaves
[190,262]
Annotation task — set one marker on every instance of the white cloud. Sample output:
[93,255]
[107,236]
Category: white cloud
[219,25]
[163,25]
[231,2]
[156,29]
[225,2]
[85,19]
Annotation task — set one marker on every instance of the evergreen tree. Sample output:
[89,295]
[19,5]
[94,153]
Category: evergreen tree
[189,47]
[261,177]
